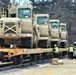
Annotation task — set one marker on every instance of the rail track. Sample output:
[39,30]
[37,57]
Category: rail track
[6,67]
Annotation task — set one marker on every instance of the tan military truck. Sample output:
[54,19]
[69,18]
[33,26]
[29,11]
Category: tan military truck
[63,35]
[10,31]
[54,32]
[25,14]
[41,23]
[63,39]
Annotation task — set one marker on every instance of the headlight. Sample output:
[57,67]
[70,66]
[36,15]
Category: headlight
[19,23]
[1,23]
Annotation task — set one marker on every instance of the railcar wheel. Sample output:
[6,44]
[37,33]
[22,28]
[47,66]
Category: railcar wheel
[31,60]
[20,59]
[15,60]
[35,58]
[1,43]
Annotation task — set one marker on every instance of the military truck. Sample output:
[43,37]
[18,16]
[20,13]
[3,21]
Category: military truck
[41,25]
[63,35]
[10,31]
[25,14]
[54,32]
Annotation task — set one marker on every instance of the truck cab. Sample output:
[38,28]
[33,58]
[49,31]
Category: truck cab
[42,25]
[63,35]
[24,13]
[54,32]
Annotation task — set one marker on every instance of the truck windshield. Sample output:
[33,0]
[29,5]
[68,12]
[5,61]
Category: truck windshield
[63,28]
[54,24]
[24,13]
[42,20]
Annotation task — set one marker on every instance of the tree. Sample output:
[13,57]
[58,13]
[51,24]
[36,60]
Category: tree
[6,2]
[64,10]
[40,5]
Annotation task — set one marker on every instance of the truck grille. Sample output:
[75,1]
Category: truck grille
[9,24]
[10,27]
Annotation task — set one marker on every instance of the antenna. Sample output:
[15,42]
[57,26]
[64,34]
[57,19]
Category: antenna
[19,2]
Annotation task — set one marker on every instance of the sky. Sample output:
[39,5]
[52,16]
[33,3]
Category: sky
[73,0]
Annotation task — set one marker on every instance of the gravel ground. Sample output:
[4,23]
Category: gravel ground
[68,68]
